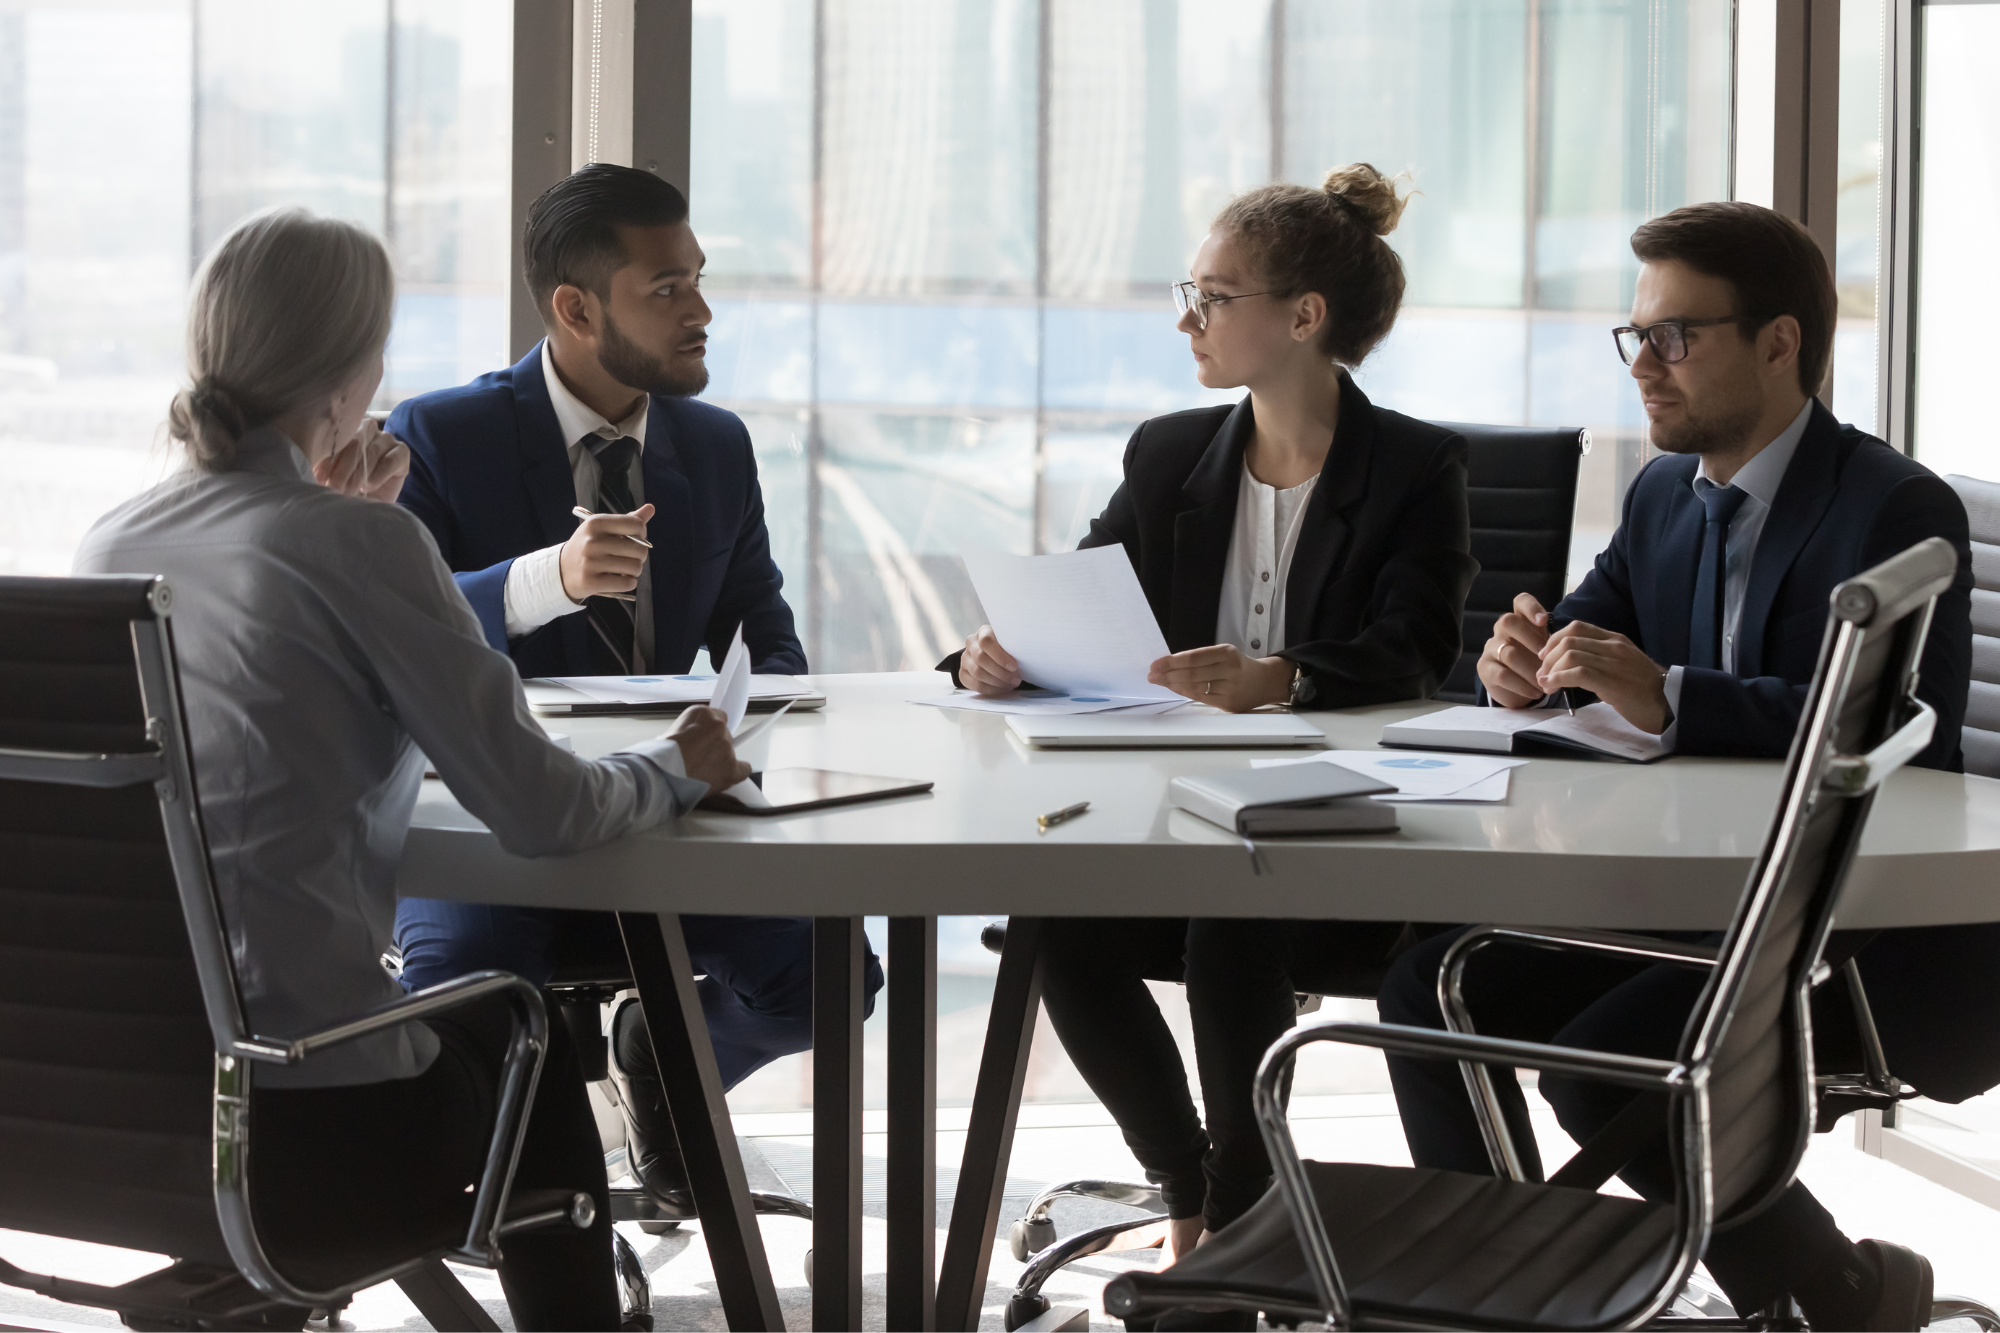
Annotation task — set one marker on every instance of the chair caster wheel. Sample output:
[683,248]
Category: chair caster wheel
[809,1268]
[659,1228]
[1020,1309]
[1029,1236]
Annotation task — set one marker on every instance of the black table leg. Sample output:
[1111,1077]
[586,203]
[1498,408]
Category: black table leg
[996,1102]
[912,1275]
[837,997]
[665,978]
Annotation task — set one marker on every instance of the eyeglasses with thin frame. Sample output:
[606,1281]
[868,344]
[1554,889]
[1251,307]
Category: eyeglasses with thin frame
[1190,298]
[1668,337]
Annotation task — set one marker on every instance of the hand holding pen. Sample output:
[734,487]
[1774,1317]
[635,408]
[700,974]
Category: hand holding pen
[605,554]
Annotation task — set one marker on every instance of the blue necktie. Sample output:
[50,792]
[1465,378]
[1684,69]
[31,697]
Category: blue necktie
[1705,629]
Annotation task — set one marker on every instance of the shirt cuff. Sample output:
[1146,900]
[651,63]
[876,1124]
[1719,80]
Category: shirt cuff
[1673,690]
[534,593]
[665,756]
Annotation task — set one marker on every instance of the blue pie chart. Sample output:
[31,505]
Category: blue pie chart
[1414,763]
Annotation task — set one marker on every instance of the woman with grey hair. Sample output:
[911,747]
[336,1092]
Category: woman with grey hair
[324,651]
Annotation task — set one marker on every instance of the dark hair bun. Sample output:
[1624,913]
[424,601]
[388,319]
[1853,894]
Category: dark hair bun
[1368,194]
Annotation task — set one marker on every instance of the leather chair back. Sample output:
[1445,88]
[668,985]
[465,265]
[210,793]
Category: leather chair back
[106,1055]
[1753,1027]
[1522,497]
[1982,708]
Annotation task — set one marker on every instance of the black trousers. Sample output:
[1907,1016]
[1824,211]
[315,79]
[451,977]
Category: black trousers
[344,1172]
[1591,1000]
[1242,977]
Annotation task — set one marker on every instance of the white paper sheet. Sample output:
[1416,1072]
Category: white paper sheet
[1468,717]
[732,683]
[1603,727]
[1049,704]
[1076,622]
[1420,776]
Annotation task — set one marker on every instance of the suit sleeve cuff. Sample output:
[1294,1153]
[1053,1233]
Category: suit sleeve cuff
[1673,691]
[665,755]
[534,594]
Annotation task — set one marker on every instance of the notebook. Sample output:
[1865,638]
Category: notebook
[1595,729]
[1182,729]
[1295,798]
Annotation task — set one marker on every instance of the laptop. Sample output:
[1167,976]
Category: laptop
[619,696]
[1178,730]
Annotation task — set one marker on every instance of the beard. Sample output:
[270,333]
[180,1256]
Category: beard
[635,368]
[1707,432]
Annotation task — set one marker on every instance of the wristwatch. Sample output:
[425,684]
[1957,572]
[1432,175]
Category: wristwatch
[1298,685]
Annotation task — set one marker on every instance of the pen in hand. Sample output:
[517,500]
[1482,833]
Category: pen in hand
[581,512]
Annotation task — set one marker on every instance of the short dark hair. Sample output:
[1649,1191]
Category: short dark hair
[572,231]
[1774,264]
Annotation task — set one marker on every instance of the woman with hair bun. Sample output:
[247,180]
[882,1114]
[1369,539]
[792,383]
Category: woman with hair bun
[1303,547]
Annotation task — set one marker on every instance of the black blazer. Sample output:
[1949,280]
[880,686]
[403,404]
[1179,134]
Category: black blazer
[1381,570]
[1847,502]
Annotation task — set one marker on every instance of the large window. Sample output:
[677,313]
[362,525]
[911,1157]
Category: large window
[132,135]
[1957,287]
[940,234]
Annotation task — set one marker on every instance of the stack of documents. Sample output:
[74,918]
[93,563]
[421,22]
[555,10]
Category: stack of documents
[1596,729]
[1419,777]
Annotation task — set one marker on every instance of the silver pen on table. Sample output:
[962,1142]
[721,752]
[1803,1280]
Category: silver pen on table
[1049,821]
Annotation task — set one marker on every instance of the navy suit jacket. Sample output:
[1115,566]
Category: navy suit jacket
[490,477]
[1847,502]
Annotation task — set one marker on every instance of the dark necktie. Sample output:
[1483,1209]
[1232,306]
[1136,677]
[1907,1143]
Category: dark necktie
[1705,629]
[615,635]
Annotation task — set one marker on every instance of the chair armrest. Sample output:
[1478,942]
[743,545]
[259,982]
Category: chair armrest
[521,1069]
[409,1009]
[1500,1146]
[1307,1226]
[1633,1071]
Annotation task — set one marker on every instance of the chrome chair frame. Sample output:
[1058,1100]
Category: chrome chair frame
[1813,771]
[168,768]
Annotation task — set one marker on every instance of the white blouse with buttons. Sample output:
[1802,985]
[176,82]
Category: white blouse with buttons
[1252,615]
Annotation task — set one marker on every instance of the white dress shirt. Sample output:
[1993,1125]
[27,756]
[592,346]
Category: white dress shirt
[324,652]
[1759,480]
[1252,614]
[533,595]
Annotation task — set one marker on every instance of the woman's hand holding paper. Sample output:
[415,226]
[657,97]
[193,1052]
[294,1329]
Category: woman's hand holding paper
[985,667]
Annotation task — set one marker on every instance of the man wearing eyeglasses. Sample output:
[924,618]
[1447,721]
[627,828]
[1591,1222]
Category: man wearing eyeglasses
[1701,623]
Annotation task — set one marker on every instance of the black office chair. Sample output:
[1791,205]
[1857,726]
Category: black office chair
[128,1117]
[1981,737]
[1522,496]
[1336,1241]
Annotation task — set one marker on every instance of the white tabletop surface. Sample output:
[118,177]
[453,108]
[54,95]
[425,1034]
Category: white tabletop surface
[1579,843]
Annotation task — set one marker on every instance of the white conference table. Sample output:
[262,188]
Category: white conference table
[1577,843]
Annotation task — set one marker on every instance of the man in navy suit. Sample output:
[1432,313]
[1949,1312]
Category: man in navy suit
[1702,623]
[602,416]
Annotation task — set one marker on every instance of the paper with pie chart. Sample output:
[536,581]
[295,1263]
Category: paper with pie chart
[1421,776]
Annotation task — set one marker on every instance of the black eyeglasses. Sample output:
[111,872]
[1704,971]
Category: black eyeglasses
[1188,297]
[1668,337]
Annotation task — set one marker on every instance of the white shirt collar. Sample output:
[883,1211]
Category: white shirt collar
[1765,472]
[578,420]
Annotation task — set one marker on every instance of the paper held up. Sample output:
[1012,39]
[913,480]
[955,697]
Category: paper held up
[1421,777]
[1077,622]
[1048,703]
